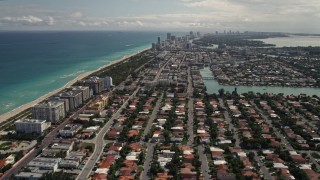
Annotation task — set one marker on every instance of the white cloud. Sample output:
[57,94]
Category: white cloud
[139,23]
[81,23]
[51,21]
[76,14]
[29,19]
[264,15]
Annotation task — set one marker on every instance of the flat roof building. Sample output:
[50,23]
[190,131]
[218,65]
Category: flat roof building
[107,82]
[31,126]
[74,97]
[58,99]
[69,130]
[50,164]
[95,83]
[85,91]
[28,175]
[52,111]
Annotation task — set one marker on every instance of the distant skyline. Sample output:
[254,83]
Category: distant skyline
[162,15]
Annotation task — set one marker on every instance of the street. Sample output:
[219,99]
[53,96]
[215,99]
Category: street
[204,163]
[276,131]
[45,142]
[148,161]
[99,142]
[190,109]
[231,126]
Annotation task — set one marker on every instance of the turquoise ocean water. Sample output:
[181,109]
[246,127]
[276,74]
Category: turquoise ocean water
[35,63]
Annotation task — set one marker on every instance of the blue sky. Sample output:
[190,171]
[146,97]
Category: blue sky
[203,15]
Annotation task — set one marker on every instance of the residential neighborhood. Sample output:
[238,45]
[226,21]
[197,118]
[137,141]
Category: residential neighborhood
[160,123]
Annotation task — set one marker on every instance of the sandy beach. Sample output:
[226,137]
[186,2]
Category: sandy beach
[16,111]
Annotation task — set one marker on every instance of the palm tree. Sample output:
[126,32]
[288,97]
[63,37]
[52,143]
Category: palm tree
[221,92]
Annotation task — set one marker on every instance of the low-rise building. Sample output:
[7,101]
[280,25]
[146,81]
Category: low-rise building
[69,164]
[61,149]
[41,163]
[69,130]
[28,175]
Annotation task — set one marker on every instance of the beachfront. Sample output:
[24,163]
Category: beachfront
[24,107]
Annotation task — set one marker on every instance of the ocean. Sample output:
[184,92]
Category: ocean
[35,63]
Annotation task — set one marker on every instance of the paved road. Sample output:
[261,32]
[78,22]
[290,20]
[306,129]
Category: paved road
[99,144]
[150,146]
[161,69]
[190,109]
[263,168]
[276,131]
[310,123]
[311,158]
[45,142]
[204,163]
[153,116]
[231,126]
[147,162]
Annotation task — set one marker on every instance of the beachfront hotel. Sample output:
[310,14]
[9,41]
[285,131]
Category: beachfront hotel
[52,111]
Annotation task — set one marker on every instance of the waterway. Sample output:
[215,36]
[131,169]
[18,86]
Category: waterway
[293,41]
[213,87]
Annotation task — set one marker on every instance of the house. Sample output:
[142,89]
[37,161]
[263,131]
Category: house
[187,174]
[163,176]
[107,161]
[133,156]
[129,168]
[116,147]
[113,133]
[135,147]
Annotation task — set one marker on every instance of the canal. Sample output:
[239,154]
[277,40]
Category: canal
[213,86]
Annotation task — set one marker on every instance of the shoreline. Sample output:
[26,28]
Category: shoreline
[4,117]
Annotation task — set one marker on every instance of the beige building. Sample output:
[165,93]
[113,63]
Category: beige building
[52,111]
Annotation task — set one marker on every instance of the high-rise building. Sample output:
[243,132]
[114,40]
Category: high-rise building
[95,83]
[52,111]
[31,126]
[107,82]
[75,98]
[159,41]
[85,91]
[168,36]
[58,99]
[154,46]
